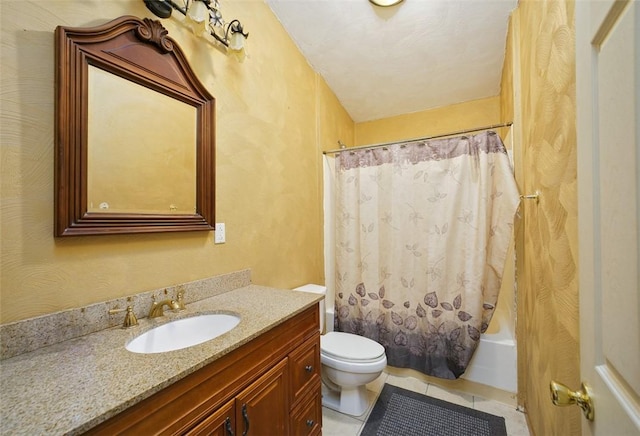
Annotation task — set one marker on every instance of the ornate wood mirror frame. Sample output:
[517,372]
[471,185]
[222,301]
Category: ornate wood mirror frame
[141,52]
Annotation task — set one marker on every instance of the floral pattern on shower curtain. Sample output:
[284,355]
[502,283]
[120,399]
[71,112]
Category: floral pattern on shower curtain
[422,231]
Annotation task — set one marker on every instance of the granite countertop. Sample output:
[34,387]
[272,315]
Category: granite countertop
[69,387]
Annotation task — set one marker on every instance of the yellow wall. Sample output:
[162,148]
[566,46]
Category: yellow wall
[274,116]
[538,89]
[476,113]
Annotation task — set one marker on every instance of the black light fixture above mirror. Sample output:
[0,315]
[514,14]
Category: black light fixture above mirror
[204,16]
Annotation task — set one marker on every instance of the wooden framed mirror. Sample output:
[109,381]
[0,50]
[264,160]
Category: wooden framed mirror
[135,133]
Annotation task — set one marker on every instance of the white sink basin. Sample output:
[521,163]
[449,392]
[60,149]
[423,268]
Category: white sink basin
[183,333]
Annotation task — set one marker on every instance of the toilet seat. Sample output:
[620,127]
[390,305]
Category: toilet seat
[348,347]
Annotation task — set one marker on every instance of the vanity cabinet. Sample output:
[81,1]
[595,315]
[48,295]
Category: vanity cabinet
[269,386]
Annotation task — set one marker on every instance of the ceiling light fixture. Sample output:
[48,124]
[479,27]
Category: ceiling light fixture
[385,3]
[204,16]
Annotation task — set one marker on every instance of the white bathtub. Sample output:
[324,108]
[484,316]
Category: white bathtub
[494,362]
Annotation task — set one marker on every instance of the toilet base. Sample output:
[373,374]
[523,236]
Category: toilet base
[350,401]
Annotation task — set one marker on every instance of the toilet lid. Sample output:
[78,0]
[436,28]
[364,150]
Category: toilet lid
[350,347]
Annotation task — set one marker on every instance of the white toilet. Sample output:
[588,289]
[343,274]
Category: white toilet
[349,362]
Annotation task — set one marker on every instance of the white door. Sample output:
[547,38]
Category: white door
[608,78]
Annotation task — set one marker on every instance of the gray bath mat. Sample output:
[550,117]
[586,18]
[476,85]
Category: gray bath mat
[399,412]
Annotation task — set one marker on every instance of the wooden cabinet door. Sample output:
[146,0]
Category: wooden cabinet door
[222,422]
[263,407]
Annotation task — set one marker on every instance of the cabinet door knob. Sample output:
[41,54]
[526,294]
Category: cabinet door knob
[310,422]
[308,368]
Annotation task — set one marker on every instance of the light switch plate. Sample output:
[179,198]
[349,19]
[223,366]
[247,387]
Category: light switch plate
[219,236]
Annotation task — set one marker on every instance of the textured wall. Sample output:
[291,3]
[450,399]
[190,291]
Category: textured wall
[507,96]
[274,115]
[476,113]
[544,101]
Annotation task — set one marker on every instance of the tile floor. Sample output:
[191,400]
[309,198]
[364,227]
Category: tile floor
[338,424]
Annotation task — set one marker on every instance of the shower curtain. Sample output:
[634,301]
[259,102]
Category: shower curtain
[422,231]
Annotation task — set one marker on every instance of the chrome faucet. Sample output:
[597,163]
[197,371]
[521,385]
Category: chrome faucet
[157,309]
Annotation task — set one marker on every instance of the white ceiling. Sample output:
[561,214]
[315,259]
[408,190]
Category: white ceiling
[418,55]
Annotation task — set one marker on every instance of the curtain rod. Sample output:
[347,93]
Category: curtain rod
[460,132]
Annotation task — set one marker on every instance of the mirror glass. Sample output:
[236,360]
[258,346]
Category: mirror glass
[138,160]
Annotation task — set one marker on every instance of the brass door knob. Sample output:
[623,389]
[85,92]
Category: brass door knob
[561,395]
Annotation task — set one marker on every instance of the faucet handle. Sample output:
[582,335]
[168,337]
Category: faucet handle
[180,298]
[130,319]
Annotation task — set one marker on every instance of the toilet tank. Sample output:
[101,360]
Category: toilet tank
[317,289]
